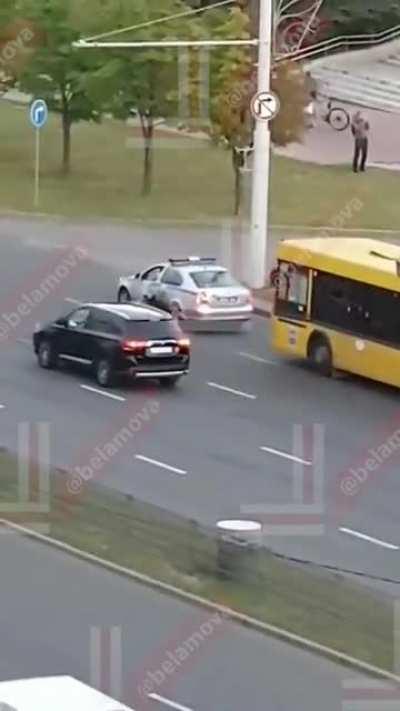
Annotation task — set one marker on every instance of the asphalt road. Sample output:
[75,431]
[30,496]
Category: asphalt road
[205,439]
[59,615]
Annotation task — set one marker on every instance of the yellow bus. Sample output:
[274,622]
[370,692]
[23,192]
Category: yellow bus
[337,304]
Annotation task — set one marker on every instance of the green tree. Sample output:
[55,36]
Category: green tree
[234,86]
[288,81]
[146,80]
[361,16]
[72,81]
[14,36]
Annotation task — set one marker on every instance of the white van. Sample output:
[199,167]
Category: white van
[57,693]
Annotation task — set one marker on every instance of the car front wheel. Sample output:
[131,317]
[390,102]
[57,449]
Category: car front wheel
[124,296]
[104,373]
[176,312]
[47,357]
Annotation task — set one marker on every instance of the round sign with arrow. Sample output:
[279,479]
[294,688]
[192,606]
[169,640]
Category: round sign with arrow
[265,106]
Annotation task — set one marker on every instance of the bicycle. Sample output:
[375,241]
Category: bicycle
[336,116]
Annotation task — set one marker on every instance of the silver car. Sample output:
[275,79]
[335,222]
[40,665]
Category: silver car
[193,288]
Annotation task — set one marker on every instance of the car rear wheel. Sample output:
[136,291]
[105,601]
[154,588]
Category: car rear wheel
[104,373]
[170,382]
[47,356]
[124,296]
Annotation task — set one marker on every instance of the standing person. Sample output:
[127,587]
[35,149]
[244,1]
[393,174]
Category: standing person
[360,131]
[311,88]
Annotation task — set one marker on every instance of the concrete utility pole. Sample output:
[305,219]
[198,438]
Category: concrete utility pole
[261,162]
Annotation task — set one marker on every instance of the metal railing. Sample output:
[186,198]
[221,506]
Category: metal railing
[343,42]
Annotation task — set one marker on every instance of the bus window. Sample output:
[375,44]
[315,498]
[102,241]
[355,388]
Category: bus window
[385,316]
[292,290]
[341,302]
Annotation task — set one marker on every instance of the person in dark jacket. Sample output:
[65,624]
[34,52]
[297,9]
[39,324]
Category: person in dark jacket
[360,131]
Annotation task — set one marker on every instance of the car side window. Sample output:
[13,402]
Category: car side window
[172,277]
[152,274]
[78,318]
[102,323]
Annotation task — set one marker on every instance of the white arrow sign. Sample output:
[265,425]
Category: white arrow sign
[265,106]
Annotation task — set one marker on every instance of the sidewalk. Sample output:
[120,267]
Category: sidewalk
[323,145]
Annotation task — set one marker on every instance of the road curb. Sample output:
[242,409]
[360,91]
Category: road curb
[263,310]
[263,307]
[217,222]
[226,612]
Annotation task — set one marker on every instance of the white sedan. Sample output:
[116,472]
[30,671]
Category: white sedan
[193,288]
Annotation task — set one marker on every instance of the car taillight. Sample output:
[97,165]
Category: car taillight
[184,343]
[134,345]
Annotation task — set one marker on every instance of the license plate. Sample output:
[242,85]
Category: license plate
[231,300]
[160,350]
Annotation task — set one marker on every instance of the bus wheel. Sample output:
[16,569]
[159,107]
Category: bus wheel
[320,355]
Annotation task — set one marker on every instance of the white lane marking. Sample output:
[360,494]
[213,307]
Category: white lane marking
[285,455]
[72,301]
[2,407]
[231,390]
[370,539]
[257,359]
[102,392]
[167,702]
[162,465]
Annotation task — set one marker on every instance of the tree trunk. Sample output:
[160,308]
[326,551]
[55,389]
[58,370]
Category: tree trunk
[146,121]
[237,164]
[66,161]
[238,191]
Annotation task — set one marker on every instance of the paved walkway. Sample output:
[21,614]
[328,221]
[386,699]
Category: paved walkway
[325,146]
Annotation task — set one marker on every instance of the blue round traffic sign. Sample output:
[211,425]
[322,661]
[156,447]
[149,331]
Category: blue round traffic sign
[39,113]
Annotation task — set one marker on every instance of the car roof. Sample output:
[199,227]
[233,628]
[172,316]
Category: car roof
[57,693]
[195,264]
[203,268]
[132,312]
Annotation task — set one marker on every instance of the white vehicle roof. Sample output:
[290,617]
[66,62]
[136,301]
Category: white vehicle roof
[57,693]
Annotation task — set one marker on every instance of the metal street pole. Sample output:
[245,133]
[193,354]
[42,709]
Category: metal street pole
[37,167]
[257,253]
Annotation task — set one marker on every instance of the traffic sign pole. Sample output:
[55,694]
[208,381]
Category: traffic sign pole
[38,116]
[257,252]
[37,167]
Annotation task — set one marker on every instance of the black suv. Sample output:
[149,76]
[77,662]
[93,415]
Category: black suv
[116,338]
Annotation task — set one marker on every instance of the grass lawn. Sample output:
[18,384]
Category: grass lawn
[192,179]
[323,607]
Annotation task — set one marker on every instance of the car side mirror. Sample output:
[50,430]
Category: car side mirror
[137,276]
[62,322]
